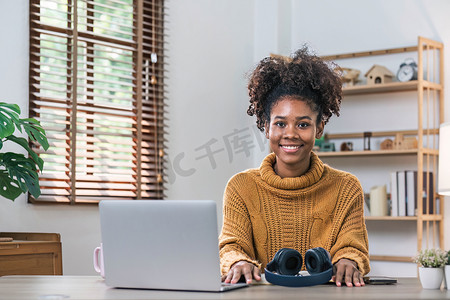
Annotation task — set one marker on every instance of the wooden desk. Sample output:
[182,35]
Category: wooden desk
[93,287]
[31,254]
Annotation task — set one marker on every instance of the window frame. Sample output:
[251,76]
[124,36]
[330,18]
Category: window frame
[145,111]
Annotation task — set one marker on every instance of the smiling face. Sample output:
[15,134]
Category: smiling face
[292,130]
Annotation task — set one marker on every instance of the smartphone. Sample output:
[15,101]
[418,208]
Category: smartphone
[379,280]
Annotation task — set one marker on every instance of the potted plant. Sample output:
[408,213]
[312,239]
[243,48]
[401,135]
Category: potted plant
[447,270]
[431,270]
[18,173]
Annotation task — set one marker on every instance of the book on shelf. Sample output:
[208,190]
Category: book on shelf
[404,193]
[394,195]
[401,193]
[411,187]
[426,182]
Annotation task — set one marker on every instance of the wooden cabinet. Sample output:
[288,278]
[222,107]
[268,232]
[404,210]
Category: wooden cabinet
[31,254]
[429,90]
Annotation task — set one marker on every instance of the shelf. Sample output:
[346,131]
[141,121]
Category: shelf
[389,87]
[424,43]
[389,218]
[381,88]
[357,135]
[432,218]
[407,259]
[366,153]
[406,218]
[371,53]
[376,153]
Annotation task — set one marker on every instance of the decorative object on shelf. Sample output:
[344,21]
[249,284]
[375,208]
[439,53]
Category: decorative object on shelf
[444,160]
[379,75]
[431,270]
[387,144]
[398,141]
[349,76]
[404,143]
[327,147]
[366,205]
[318,143]
[407,71]
[323,144]
[409,143]
[367,136]
[389,203]
[378,201]
[19,174]
[347,146]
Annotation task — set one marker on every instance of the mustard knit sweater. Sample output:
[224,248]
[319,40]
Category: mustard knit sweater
[264,213]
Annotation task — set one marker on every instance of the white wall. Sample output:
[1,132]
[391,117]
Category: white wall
[212,44]
[210,52]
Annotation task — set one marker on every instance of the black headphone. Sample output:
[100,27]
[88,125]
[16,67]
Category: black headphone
[286,264]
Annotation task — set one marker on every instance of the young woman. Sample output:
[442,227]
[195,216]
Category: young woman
[293,200]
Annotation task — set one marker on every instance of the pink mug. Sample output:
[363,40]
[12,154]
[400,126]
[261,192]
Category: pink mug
[98,260]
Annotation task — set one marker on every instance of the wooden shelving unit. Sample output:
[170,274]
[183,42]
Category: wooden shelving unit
[430,105]
[392,258]
[389,87]
[368,153]
[407,218]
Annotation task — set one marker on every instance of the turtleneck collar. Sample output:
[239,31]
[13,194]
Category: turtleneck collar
[311,176]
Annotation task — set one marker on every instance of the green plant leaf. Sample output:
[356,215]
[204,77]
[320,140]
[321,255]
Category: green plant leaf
[13,107]
[23,170]
[35,132]
[8,187]
[24,143]
[20,173]
[9,119]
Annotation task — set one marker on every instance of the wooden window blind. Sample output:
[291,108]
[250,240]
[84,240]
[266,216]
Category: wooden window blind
[96,82]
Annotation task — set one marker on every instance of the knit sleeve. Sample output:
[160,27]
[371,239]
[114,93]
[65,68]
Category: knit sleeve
[236,239]
[352,242]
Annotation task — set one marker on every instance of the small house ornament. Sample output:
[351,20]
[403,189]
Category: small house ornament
[387,144]
[349,76]
[379,75]
[405,143]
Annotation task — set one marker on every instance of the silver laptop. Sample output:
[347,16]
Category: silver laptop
[161,244]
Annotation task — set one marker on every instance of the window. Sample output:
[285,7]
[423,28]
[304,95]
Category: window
[96,86]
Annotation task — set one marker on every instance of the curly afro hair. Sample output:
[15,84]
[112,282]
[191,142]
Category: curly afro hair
[305,76]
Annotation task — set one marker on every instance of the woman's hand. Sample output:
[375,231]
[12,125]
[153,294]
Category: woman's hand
[242,268]
[346,270]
